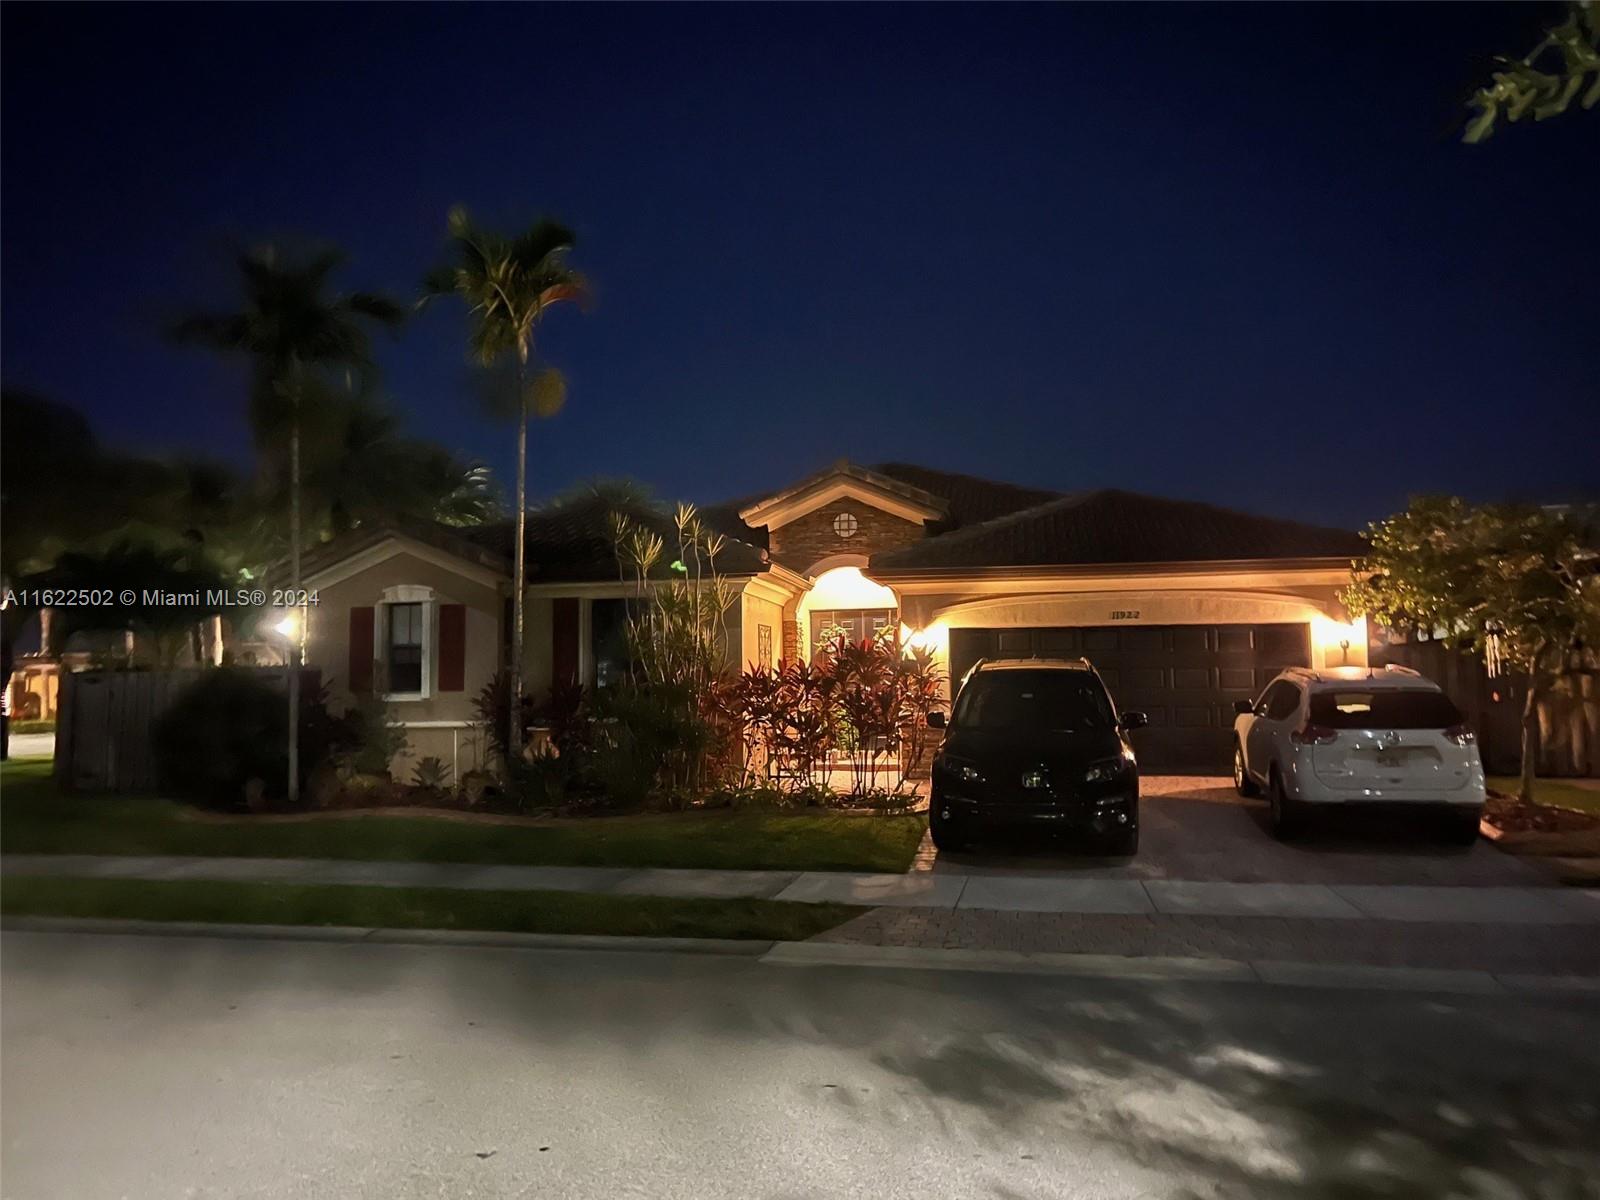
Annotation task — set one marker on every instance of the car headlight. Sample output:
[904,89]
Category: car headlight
[965,772]
[1108,771]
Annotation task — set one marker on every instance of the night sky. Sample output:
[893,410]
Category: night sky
[1236,254]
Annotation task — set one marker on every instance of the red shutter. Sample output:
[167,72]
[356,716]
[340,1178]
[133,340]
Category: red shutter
[564,640]
[363,621]
[452,647]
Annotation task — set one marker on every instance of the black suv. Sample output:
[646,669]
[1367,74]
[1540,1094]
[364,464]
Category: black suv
[1036,743]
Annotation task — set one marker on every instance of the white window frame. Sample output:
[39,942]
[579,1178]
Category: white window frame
[407,593]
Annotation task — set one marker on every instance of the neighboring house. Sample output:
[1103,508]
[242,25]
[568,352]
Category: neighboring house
[1183,607]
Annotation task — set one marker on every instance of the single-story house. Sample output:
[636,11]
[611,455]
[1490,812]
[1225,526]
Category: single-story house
[1183,607]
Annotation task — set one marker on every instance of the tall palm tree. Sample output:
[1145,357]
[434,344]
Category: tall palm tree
[294,330]
[508,283]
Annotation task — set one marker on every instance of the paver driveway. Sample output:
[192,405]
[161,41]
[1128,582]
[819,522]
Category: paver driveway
[1196,828]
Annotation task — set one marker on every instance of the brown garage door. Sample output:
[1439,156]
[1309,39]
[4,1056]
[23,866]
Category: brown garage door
[1185,676]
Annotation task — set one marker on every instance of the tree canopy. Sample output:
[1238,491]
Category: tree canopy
[1517,584]
[1544,82]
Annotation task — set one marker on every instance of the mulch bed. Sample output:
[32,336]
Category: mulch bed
[1508,814]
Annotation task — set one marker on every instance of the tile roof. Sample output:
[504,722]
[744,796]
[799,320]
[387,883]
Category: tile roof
[572,542]
[971,499]
[988,524]
[465,542]
[1117,527]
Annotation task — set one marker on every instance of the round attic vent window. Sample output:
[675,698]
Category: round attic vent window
[845,525]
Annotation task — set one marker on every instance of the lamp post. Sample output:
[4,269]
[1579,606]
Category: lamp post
[293,629]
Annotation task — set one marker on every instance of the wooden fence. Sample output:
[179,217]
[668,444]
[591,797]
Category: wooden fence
[1569,714]
[105,719]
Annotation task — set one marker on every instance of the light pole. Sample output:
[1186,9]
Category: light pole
[293,629]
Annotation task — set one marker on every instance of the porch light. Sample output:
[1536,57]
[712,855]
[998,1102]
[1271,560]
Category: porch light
[1341,643]
[935,638]
[287,627]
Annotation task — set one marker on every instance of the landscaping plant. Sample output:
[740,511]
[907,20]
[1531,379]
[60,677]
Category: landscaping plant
[1518,585]
[225,737]
[508,284]
[667,716]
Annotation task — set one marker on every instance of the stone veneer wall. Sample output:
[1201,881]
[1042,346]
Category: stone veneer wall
[809,539]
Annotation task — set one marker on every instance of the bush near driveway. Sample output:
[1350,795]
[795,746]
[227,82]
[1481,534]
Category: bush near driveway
[39,819]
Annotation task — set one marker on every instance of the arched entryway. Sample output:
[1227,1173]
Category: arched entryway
[844,603]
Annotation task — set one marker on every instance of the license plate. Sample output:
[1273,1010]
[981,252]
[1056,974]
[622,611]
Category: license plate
[1396,759]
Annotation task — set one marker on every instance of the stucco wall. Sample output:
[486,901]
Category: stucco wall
[439,723]
[758,612]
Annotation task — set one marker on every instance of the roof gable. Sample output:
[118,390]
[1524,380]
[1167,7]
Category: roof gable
[881,491]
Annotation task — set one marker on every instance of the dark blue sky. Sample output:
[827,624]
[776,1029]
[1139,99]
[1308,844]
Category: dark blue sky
[1226,253]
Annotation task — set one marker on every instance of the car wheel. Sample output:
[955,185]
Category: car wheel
[1288,820]
[1242,783]
[945,839]
[1461,829]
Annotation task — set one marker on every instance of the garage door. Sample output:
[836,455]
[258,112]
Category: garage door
[1185,676]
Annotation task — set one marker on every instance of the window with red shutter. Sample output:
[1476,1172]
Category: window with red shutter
[363,621]
[452,647]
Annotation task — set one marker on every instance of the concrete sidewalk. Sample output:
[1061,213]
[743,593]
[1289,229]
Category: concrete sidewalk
[922,890]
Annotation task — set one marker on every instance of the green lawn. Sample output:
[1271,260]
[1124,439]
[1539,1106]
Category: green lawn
[37,819]
[1560,793]
[419,908]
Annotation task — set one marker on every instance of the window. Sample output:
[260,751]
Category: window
[1039,701]
[764,645]
[404,648]
[845,525]
[1282,699]
[608,641]
[1406,708]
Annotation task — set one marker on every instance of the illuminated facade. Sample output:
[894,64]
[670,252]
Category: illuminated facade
[1183,607]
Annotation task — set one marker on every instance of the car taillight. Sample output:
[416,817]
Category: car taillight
[1314,735]
[1460,735]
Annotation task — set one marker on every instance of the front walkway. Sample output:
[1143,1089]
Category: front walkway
[922,891]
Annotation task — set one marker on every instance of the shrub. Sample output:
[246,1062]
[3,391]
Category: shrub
[646,738]
[869,700]
[431,774]
[226,729]
[371,740]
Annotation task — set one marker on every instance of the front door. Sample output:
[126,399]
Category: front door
[855,625]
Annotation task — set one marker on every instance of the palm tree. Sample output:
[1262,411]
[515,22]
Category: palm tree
[507,284]
[294,331]
[363,467]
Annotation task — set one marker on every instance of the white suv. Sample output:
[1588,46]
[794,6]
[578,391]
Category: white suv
[1350,735]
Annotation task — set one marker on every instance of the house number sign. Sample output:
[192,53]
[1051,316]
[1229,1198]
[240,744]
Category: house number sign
[1124,614]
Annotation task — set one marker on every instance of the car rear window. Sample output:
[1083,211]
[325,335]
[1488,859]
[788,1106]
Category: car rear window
[1050,701]
[1384,708]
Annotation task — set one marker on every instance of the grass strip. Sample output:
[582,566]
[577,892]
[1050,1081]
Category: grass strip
[418,908]
[37,818]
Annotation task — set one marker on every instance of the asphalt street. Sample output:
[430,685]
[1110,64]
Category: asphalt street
[160,1067]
